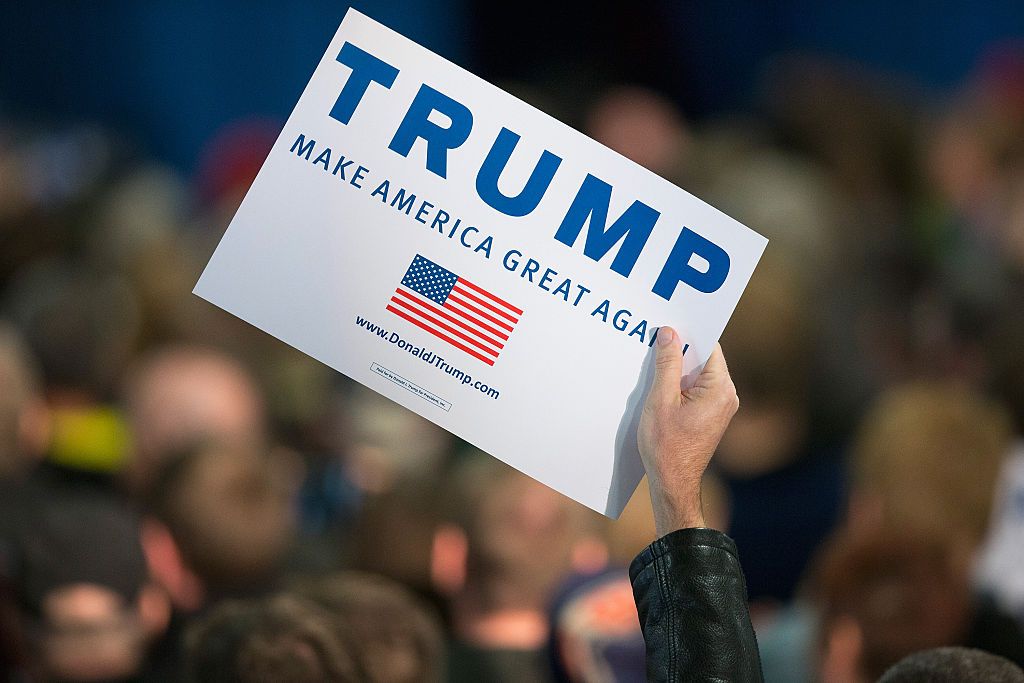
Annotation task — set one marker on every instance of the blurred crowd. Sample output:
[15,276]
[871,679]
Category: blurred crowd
[183,497]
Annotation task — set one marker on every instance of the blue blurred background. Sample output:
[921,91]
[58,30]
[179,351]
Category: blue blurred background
[174,73]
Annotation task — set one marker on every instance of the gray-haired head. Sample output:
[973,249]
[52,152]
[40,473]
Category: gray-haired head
[953,665]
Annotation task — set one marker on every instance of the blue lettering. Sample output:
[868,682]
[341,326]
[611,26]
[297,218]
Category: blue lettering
[511,262]
[402,201]
[324,158]
[304,148]
[462,237]
[678,269]
[621,319]
[424,209]
[546,278]
[416,124]
[632,228]
[529,269]
[359,175]
[366,69]
[563,289]
[340,167]
[485,246]
[382,190]
[440,218]
[496,161]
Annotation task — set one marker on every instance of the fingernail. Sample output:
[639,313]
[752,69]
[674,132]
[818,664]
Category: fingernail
[664,336]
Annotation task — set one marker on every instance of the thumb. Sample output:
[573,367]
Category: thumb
[668,367]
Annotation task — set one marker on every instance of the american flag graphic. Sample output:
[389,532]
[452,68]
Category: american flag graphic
[453,309]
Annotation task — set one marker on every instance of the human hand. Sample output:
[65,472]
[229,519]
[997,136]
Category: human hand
[680,430]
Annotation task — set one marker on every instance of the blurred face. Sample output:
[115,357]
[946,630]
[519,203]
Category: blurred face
[642,126]
[89,633]
[524,535]
[24,419]
[239,513]
[1013,226]
[958,162]
[184,397]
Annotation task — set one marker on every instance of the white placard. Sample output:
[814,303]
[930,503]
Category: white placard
[478,262]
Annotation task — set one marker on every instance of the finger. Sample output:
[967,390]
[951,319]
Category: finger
[715,379]
[716,367]
[715,371]
[668,366]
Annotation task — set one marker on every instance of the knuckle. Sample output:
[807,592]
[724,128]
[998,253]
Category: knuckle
[664,362]
[729,399]
[650,409]
[654,413]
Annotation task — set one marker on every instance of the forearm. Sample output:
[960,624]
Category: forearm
[691,597]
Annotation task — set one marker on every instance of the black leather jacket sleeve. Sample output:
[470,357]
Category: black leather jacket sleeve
[692,600]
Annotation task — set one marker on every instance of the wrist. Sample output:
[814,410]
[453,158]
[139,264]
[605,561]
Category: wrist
[673,512]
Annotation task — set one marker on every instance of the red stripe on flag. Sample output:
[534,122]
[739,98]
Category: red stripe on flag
[448,328]
[483,291]
[437,311]
[434,332]
[500,323]
[449,305]
[486,304]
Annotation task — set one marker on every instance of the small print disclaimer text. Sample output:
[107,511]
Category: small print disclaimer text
[411,387]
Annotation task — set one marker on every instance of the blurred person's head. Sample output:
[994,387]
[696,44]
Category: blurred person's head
[389,443]
[641,125]
[88,632]
[1011,228]
[959,158]
[81,324]
[510,544]
[181,395]
[137,230]
[770,343]
[981,135]
[881,595]
[394,533]
[221,521]
[390,633]
[142,208]
[857,122]
[407,534]
[788,200]
[953,665]
[24,419]
[47,176]
[518,534]
[596,634]
[927,457]
[89,607]
[281,638]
